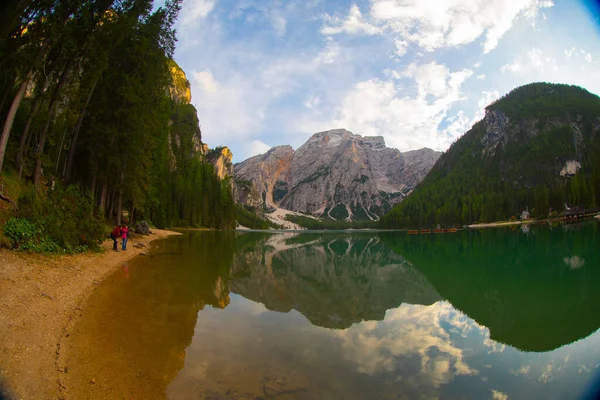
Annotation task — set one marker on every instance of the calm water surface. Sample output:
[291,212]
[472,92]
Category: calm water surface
[495,314]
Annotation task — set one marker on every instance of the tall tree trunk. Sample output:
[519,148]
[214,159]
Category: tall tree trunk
[73,146]
[112,204]
[102,205]
[12,112]
[119,207]
[25,134]
[62,141]
[10,117]
[93,185]
[5,97]
[37,167]
[132,213]
[25,155]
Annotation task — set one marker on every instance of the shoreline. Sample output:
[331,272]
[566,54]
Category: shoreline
[501,223]
[41,297]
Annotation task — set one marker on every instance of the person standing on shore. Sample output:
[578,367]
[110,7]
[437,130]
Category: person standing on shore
[124,236]
[116,232]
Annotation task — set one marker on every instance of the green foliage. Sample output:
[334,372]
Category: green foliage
[467,186]
[280,190]
[339,212]
[126,138]
[249,218]
[26,236]
[65,217]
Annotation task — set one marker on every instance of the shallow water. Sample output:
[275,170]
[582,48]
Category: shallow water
[221,315]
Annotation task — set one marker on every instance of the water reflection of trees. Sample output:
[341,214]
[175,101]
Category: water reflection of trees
[134,335]
[519,286]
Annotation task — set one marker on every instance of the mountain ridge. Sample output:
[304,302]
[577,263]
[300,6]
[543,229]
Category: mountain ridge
[335,174]
[535,150]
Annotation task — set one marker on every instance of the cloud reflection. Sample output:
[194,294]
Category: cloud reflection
[414,332]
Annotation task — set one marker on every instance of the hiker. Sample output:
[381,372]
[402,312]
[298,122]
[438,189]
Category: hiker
[124,235]
[116,232]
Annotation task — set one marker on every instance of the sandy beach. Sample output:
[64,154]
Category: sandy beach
[40,297]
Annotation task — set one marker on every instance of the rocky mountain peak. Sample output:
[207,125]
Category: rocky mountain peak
[335,174]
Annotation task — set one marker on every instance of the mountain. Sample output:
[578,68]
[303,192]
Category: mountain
[334,281]
[335,174]
[191,188]
[536,149]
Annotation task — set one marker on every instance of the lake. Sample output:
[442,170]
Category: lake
[491,314]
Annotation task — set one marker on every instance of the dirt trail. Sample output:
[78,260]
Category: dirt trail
[39,296]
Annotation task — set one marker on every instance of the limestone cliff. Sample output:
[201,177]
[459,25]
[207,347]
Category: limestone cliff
[263,179]
[185,136]
[335,174]
[221,158]
[180,89]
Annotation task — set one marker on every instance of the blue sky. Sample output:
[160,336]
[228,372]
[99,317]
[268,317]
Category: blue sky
[419,73]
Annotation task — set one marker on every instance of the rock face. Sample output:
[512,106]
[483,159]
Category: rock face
[180,89]
[335,174]
[185,136]
[262,179]
[221,159]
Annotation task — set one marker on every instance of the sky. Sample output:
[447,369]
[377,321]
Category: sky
[419,73]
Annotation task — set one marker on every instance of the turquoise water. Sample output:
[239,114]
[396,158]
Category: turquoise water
[502,314]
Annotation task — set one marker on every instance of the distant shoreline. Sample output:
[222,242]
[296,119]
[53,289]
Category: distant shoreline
[41,297]
[502,223]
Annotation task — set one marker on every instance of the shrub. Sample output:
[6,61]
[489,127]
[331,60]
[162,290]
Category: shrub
[66,217]
[24,235]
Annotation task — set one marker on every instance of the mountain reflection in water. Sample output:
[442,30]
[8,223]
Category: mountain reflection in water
[346,315]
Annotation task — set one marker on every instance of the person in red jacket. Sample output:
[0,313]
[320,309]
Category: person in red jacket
[124,236]
[116,233]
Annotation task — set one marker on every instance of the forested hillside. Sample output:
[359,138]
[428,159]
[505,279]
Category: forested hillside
[536,149]
[90,96]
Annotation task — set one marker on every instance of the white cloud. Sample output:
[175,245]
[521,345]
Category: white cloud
[575,51]
[256,147]
[401,47]
[487,97]
[279,24]
[450,23]
[481,77]
[534,60]
[354,23]
[225,108]
[497,395]
[193,11]
[312,102]
[379,107]
[524,370]
[206,80]
[546,375]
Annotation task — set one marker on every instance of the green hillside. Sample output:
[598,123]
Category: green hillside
[512,160]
